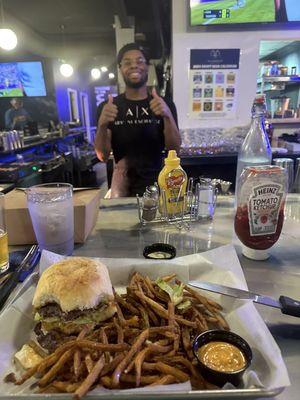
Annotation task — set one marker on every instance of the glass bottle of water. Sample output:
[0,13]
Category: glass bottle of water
[256,149]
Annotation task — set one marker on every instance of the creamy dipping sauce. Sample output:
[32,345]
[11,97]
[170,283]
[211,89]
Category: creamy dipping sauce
[159,254]
[222,356]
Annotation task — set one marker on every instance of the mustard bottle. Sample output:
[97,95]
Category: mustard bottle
[172,182]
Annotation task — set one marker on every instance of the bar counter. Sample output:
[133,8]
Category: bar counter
[118,234]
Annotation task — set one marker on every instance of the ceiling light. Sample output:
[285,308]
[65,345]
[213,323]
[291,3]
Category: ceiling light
[66,70]
[8,39]
[111,75]
[104,69]
[96,73]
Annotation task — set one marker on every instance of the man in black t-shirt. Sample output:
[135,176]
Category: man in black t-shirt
[136,126]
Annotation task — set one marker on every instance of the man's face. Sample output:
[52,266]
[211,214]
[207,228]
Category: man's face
[16,103]
[134,69]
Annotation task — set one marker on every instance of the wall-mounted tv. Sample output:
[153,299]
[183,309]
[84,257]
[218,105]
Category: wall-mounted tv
[19,79]
[237,12]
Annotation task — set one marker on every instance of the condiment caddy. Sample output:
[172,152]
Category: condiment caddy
[198,203]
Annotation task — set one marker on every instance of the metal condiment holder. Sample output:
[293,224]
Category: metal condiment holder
[198,204]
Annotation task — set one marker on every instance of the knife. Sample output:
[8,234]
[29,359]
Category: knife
[287,305]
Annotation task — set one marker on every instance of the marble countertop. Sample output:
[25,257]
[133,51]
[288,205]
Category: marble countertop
[118,234]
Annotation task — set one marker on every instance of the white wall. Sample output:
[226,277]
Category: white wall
[247,41]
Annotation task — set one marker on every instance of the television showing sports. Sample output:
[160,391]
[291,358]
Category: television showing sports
[225,12]
[18,79]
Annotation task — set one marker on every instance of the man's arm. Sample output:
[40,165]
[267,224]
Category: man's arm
[103,143]
[103,135]
[171,132]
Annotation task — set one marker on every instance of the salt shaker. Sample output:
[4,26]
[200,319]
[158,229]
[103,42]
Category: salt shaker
[150,203]
[206,195]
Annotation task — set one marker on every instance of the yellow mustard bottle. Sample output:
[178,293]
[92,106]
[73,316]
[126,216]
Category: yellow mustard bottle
[172,181]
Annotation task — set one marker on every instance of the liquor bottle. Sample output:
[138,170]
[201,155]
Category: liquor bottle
[255,149]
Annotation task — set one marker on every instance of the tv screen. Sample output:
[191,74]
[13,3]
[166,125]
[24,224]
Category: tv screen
[226,12]
[19,79]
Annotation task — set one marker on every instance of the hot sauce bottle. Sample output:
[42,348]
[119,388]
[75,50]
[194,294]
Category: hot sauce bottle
[260,209]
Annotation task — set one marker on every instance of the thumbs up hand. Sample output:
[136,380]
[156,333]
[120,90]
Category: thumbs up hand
[158,105]
[109,113]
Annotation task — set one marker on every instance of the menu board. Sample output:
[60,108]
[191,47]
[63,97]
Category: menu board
[213,82]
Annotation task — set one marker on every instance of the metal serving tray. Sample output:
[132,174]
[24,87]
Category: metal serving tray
[125,394]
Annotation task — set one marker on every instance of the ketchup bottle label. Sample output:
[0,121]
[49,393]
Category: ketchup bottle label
[263,208]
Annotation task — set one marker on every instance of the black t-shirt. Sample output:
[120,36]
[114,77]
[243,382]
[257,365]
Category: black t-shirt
[138,139]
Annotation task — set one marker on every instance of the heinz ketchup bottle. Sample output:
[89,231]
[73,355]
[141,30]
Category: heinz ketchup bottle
[260,209]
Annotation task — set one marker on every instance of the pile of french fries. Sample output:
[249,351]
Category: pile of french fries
[148,342]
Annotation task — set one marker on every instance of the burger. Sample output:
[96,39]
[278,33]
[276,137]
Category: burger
[71,294]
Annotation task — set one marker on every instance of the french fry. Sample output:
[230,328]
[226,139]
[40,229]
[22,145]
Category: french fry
[77,354]
[90,379]
[104,340]
[37,348]
[168,278]
[112,364]
[157,348]
[150,285]
[149,366]
[186,340]
[164,380]
[126,305]
[209,304]
[88,344]
[145,380]
[89,362]
[169,370]
[134,349]
[221,321]
[49,389]
[106,382]
[171,314]
[28,374]
[50,375]
[138,365]
[65,386]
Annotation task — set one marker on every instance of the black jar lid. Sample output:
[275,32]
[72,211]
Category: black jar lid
[159,251]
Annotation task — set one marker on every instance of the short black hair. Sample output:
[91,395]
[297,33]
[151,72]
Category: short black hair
[129,47]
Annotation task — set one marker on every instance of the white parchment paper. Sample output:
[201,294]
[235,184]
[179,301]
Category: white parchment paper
[218,266]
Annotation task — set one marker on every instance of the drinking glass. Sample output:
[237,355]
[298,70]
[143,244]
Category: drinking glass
[52,214]
[4,256]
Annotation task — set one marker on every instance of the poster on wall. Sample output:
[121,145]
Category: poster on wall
[101,93]
[213,83]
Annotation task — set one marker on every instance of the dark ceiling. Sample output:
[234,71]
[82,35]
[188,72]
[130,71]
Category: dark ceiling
[84,29]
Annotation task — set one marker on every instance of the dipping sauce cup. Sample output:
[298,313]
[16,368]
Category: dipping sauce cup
[222,356]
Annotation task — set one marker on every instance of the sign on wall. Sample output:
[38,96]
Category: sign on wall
[213,83]
[101,93]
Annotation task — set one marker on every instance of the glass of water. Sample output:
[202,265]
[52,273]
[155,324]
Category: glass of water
[52,214]
[4,256]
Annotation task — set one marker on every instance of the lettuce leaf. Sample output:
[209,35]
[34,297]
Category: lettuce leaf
[185,304]
[175,292]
